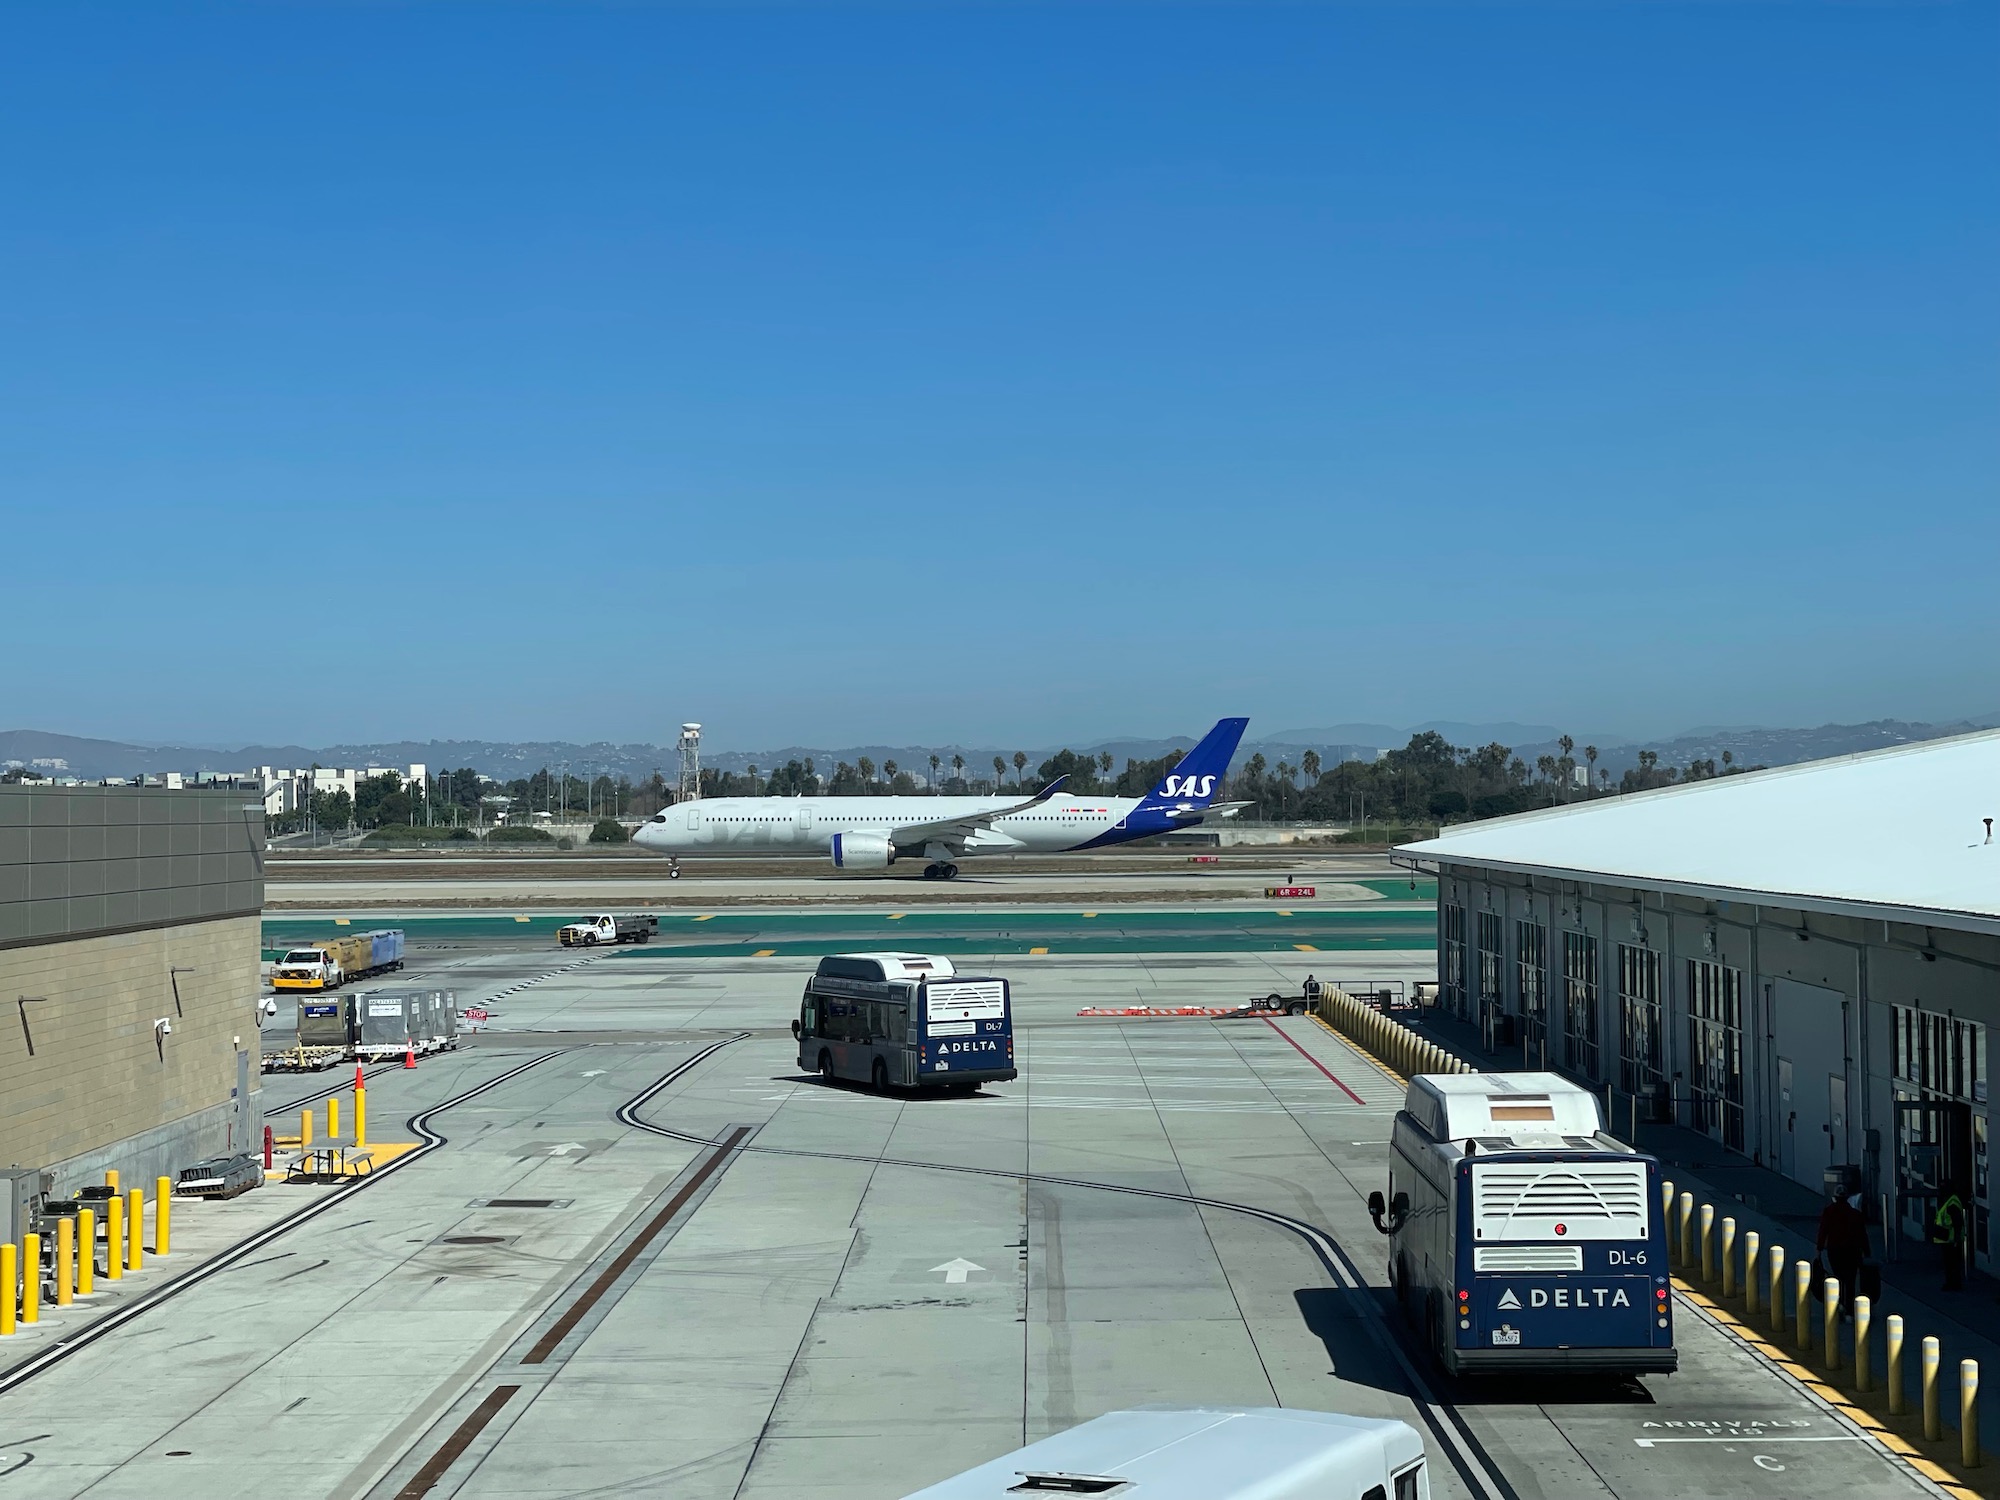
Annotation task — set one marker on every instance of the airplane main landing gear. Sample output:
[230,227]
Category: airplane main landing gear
[940,871]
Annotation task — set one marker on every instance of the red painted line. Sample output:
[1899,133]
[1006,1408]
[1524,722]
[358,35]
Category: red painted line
[1313,1060]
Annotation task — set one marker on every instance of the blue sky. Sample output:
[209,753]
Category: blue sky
[1016,373]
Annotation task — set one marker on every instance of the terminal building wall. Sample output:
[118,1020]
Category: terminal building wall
[121,907]
[1788,1036]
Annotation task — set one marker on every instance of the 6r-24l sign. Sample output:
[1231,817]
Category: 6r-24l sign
[1287,892]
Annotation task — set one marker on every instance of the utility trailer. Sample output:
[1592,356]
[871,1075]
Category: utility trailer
[637,927]
[304,1059]
[220,1177]
[328,965]
[388,1023]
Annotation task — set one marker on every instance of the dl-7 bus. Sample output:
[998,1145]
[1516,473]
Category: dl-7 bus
[1521,1235]
[905,1020]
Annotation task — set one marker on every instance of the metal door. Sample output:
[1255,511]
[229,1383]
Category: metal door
[239,1132]
[1788,1119]
[802,823]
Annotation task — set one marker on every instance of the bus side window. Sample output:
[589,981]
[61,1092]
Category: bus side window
[1376,1492]
[1406,1483]
[810,1018]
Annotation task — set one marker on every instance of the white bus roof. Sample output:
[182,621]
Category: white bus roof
[906,965]
[1198,1453]
[1521,1106]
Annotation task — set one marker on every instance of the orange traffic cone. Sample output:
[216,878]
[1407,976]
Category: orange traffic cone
[409,1056]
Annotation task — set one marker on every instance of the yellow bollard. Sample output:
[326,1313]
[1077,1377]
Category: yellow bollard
[1707,1243]
[111,1181]
[163,1214]
[1728,1258]
[333,1118]
[361,1117]
[1864,1359]
[135,1230]
[1687,1229]
[1802,1303]
[1933,1423]
[1968,1413]
[114,1238]
[86,1246]
[1752,1242]
[65,1261]
[1777,1264]
[305,1129]
[10,1282]
[1667,1214]
[31,1278]
[1893,1368]
[1829,1302]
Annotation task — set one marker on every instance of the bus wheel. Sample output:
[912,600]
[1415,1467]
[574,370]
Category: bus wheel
[878,1077]
[826,1067]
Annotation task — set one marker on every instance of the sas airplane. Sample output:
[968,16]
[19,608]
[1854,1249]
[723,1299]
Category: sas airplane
[872,833]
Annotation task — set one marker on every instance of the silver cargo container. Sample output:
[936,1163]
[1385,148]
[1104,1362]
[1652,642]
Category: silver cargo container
[326,1020]
[388,1022]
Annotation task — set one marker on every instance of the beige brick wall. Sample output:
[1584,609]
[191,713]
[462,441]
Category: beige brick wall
[96,1075]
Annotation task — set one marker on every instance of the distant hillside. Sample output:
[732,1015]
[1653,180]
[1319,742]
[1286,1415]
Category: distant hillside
[61,754]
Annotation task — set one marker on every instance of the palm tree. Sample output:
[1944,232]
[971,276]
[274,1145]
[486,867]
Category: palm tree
[1309,763]
[867,768]
[1104,762]
[958,770]
[1590,754]
[935,763]
[889,773]
[999,771]
[1020,764]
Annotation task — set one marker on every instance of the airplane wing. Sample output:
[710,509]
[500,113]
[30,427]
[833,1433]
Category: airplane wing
[958,829]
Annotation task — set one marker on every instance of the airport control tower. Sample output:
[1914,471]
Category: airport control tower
[690,786]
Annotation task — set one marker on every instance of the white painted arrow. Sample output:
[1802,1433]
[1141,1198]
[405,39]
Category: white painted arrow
[565,1148]
[955,1270]
[595,1073]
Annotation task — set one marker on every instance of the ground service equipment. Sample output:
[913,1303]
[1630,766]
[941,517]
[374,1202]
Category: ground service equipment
[905,1020]
[1209,1453]
[388,1023]
[220,1177]
[327,965]
[1521,1235]
[608,929]
[327,1021]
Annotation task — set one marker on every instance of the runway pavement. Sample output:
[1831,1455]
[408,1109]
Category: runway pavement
[707,1274]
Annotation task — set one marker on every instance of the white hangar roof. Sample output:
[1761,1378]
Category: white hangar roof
[1896,834]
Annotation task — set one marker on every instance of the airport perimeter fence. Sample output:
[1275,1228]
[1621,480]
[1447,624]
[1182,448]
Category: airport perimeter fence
[1787,1305]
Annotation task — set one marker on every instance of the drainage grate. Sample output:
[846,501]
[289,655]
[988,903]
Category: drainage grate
[524,1203]
[475,1239]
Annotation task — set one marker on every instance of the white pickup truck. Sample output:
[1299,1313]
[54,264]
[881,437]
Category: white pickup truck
[608,929]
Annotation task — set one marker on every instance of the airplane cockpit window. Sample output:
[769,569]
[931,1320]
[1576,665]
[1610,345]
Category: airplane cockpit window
[659,817]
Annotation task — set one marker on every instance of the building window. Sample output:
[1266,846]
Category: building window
[1492,960]
[1451,957]
[1715,1050]
[1580,1003]
[1641,1037]
[1531,983]
[1940,1065]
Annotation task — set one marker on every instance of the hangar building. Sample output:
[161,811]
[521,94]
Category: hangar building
[1801,963]
[129,983]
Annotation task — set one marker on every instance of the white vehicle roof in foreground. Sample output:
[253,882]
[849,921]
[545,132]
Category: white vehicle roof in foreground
[1891,833]
[1200,1453]
[906,965]
[1526,1107]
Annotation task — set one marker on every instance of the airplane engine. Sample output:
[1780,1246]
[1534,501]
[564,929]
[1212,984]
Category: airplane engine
[863,851]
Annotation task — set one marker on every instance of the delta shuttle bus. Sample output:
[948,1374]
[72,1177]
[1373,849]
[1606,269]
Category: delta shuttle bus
[905,1020]
[1521,1235]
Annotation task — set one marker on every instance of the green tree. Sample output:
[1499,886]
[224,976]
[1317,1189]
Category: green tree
[958,771]
[936,761]
[867,769]
[1020,763]
[999,771]
[889,774]
[1309,763]
[608,831]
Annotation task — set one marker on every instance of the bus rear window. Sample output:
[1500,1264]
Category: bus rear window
[1521,1109]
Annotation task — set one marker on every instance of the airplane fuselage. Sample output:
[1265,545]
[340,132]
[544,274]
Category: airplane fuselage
[805,825]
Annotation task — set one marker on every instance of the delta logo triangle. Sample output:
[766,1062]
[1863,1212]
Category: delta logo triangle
[1508,1300]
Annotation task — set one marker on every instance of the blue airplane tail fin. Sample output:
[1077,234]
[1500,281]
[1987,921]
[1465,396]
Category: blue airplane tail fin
[1200,774]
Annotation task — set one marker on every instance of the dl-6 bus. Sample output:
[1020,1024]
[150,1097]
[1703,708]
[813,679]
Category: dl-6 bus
[1521,1235]
[905,1020]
